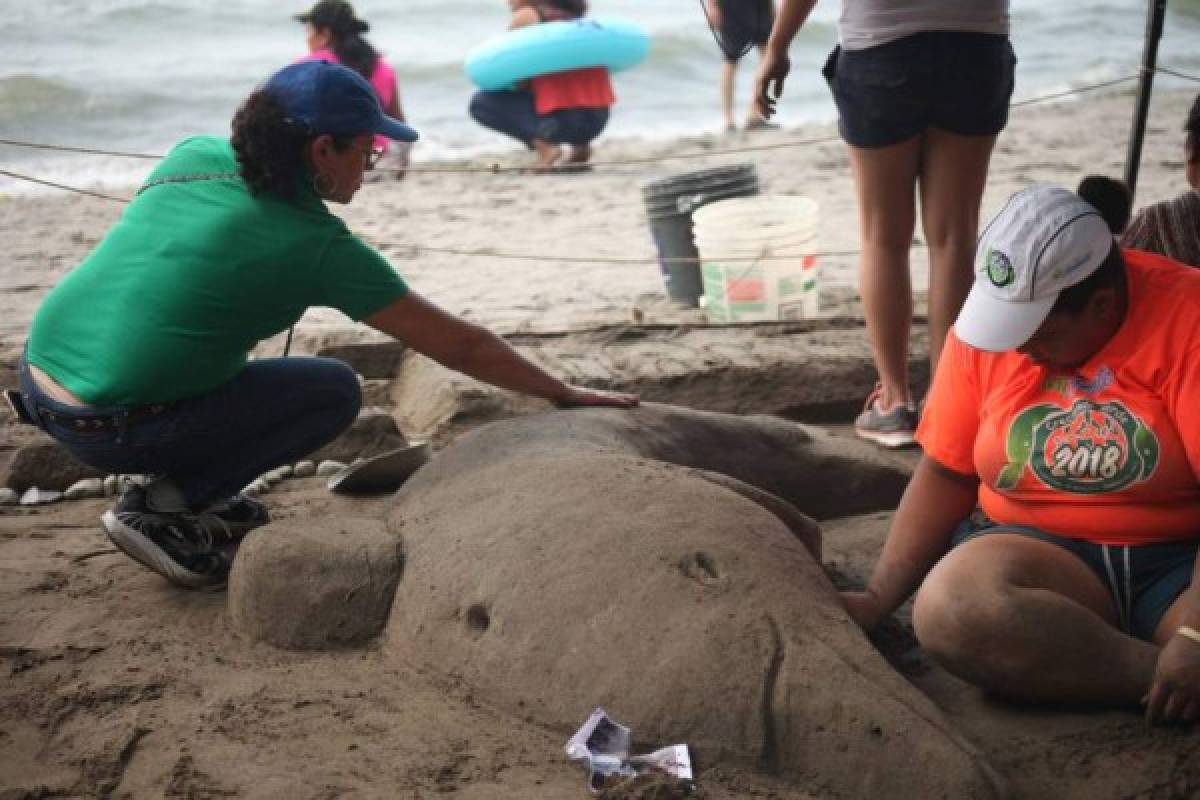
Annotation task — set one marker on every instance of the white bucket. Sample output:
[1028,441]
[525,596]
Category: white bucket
[758,257]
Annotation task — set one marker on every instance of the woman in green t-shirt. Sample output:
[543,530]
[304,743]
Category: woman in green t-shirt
[137,360]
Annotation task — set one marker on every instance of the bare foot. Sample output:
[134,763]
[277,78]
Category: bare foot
[548,154]
[580,154]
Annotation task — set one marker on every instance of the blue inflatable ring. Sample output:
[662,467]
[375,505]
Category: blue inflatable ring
[556,47]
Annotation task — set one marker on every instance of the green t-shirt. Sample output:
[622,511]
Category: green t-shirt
[192,276]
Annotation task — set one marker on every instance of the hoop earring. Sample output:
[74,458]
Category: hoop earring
[316,185]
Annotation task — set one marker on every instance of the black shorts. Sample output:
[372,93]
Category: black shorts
[744,24]
[1144,580]
[957,82]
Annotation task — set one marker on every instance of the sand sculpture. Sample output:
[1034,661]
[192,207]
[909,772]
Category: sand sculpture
[653,562]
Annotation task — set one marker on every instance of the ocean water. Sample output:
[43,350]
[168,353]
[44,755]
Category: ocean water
[137,75]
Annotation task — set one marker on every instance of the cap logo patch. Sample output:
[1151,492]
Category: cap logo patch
[999,269]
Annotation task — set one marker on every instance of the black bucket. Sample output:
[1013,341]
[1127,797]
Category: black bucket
[669,206]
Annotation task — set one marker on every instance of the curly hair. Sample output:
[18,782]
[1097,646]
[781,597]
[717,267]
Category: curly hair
[270,146]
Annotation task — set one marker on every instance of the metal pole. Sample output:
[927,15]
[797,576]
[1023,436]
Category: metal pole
[1155,11]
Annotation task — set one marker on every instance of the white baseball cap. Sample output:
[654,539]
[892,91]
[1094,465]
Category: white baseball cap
[1044,240]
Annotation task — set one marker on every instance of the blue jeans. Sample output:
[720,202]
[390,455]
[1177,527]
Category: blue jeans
[513,113]
[274,411]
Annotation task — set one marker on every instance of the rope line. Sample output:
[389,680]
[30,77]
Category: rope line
[1178,74]
[417,248]
[496,168]
[52,184]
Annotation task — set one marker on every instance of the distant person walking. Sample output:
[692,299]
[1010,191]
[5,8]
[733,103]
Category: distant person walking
[922,90]
[739,25]
[1172,227]
[335,34]
[548,111]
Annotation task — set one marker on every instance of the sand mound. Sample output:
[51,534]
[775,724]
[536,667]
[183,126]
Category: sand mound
[557,562]
[315,585]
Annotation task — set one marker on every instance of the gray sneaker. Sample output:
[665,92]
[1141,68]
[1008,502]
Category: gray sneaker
[893,429]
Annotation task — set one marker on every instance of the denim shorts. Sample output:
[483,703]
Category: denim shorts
[1144,580]
[957,82]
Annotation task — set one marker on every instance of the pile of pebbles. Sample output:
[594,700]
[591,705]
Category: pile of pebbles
[114,485]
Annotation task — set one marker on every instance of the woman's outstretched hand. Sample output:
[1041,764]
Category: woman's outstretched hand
[768,81]
[1174,695]
[577,397]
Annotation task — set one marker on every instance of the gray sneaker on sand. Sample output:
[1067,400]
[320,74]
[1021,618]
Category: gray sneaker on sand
[894,428]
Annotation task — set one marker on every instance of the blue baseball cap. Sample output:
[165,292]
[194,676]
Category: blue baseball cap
[329,98]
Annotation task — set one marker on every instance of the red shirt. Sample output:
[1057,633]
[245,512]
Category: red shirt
[577,88]
[1108,453]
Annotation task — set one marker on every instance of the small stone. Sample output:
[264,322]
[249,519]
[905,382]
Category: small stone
[252,490]
[262,486]
[88,487]
[110,485]
[304,469]
[40,497]
[327,468]
[278,474]
[8,497]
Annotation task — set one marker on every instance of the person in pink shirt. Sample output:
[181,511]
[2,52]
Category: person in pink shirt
[335,34]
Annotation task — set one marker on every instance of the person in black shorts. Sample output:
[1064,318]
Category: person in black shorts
[921,98]
[738,26]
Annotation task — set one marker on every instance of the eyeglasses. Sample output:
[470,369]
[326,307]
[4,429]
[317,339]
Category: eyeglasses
[371,156]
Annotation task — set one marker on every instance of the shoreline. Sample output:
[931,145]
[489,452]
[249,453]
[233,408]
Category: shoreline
[507,249]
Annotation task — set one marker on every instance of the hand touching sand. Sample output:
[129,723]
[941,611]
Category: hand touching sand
[577,397]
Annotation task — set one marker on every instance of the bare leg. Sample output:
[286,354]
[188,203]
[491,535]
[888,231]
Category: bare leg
[728,70]
[885,181]
[1028,620]
[953,173]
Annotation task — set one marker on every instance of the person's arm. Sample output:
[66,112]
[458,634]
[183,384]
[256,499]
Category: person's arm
[523,17]
[1175,691]
[1174,694]
[774,67]
[476,351]
[937,499]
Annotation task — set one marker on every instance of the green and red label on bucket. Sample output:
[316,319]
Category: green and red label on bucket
[1089,448]
[759,290]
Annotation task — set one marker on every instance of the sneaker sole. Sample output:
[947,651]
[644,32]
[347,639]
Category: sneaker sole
[895,440]
[150,555]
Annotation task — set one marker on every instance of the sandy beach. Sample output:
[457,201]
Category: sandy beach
[116,685]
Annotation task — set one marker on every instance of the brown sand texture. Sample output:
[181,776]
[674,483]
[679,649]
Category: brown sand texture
[674,565]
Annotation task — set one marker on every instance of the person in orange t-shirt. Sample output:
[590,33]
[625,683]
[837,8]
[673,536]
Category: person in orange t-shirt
[1053,523]
[550,110]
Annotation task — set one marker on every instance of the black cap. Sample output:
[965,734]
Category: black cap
[336,15]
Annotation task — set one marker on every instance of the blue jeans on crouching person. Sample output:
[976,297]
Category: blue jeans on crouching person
[513,113]
[273,412]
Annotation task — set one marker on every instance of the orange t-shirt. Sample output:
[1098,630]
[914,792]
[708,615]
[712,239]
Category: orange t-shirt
[1108,453]
[576,88]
